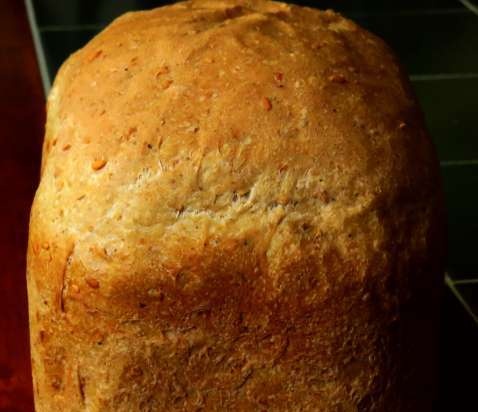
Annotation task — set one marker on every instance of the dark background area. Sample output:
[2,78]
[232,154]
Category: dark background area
[21,129]
[437,40]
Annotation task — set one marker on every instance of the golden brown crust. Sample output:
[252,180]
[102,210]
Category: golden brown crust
[239,210]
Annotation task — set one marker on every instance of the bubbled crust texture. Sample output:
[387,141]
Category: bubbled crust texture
[238,211]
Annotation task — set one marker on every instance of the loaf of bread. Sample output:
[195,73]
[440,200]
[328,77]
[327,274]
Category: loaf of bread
[239,210]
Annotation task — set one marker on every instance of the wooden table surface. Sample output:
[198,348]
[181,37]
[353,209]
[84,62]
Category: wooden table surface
[22,110]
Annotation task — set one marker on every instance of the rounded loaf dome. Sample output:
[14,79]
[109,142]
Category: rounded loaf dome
[239,210]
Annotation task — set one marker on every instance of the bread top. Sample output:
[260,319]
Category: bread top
[210,136]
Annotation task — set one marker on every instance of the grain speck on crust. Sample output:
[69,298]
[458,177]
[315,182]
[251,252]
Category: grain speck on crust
[266,103]
[98,164]
[338,78]
[92,283]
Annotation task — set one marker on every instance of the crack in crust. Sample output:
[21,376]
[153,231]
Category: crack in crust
[68,259]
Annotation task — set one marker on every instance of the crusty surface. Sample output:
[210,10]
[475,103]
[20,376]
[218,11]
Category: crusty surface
[239,210]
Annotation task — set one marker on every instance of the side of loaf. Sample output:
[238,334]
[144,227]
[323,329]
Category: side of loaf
[239,210]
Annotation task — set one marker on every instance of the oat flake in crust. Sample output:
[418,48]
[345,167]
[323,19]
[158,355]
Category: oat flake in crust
[239,210]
